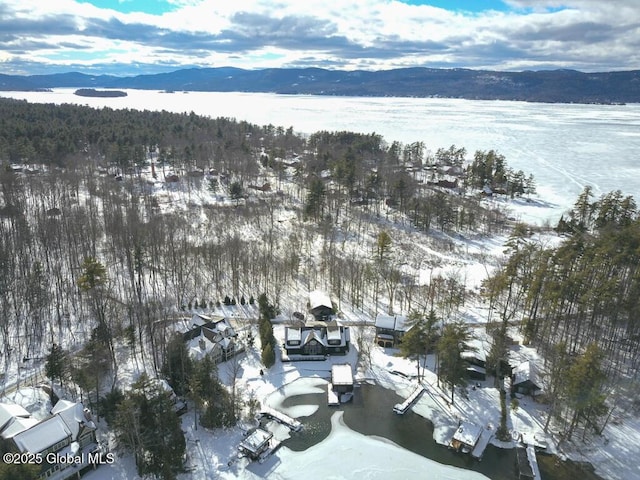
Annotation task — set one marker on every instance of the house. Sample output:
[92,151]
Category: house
[320,305]
[390,329]
[317,339]
[476,360]
[179,406]
[256,444]
[212,336]
[525,379]
[69,433]
[466,437]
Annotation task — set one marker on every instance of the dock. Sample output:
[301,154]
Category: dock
[401,408]
[283,418]
[533,461]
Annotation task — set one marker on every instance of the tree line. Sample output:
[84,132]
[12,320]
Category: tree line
[577,303]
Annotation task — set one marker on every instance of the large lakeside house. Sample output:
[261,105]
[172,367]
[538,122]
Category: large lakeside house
[65,441]
[211,336]
[317,339]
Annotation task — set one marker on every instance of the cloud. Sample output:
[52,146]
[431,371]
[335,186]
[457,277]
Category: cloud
[369,34]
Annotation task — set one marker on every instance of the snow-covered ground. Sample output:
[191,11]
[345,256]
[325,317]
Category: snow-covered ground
[469,259]
[209,452]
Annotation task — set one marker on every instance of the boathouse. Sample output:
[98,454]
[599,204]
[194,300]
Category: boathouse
[256,444]
[342,378]
[466,437]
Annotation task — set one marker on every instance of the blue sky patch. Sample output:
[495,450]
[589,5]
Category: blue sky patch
[154,7]
[463,5]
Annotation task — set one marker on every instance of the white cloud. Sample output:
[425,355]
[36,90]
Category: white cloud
[582,34]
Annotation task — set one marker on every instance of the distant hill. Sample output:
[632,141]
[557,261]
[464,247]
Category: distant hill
[567,86]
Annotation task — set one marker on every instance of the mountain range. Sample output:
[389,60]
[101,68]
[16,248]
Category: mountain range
[566,86]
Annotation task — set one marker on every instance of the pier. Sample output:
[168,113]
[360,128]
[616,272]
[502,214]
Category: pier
[401,408]
[285,419]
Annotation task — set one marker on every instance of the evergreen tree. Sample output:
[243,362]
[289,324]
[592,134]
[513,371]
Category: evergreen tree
[420,337]
[236,191]
[177,366]
[56,366]
[452,367]
[19,471]
[213,401]
[585,382]
[314,205]
[147,425]
[268,355]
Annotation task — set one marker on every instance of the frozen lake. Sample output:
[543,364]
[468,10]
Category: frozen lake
[565,146]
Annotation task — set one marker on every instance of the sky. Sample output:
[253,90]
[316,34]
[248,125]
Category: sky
[131,37]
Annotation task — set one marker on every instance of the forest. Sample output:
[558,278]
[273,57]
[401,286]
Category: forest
[113,222]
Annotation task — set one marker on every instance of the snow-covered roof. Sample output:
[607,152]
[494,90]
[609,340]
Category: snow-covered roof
[392,322]
[18,425]
[293,334]
[257,440]
[313,334]
[318,298]
[468,433]
[73,414]
[210,340]
[301,336]
[333,332]
[478,355]
[9,411]
[526,371]
[198,319]
[341,374]
[62,405]
[43,435]
[387,322]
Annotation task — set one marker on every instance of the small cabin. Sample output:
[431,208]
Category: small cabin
[320,305]
[526,380]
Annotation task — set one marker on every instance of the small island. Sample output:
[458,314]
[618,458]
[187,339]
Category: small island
[91,92]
